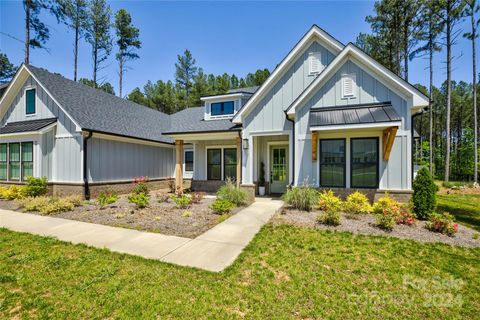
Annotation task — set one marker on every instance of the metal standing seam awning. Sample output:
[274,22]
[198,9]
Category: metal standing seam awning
[27,126]
[361,116]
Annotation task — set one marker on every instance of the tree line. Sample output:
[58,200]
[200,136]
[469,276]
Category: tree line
[402,30]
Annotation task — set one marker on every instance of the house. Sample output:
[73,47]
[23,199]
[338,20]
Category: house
[329,115]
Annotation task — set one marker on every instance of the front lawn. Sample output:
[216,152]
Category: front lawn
[286,272]
[465,207]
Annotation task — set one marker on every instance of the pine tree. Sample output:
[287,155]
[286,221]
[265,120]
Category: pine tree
[74,14]
[185,71]
[7,69]
[127,42]
[137,96]
[98,34]
[471,9]
[36,32]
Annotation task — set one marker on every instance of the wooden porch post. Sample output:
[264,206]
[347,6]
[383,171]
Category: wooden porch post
[239,160]
[179,167]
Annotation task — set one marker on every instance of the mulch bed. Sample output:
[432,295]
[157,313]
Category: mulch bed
[163,217]
[365,224]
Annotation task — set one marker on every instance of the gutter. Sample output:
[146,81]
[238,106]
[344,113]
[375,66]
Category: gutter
[85,165]
[293,146]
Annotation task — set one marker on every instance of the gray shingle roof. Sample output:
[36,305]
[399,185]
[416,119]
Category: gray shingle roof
[99,111]
[3,88]
[250,90]
[191,120]
[353,114]
[26,126]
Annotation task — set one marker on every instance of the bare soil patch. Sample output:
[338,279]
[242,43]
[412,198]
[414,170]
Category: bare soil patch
[365,224]
[160,217]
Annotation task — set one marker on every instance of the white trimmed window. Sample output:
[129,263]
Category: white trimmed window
[349,85]
[314,62]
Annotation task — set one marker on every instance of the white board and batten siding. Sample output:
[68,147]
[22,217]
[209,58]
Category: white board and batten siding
[395,173]
[268,115]
[60,147]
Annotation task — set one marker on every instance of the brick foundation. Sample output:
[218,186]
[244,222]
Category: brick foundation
[250,189]
[210,186]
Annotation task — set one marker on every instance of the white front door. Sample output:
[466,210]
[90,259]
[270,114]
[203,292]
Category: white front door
[278,169]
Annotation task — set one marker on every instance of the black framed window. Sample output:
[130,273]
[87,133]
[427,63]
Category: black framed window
[27,160]
[214,164]
[188,160]
[222,108]
[14,161]
[332,163]
[30,101]
[230,163]
[3,161]
[364,162]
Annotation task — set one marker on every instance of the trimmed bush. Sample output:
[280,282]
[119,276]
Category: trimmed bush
[328,202]
[141,200]
[49,205]
[105,198]
[36,186]
[56,205]
[13,193]
[443,223]
[33,203]
[302,198]
[331,218]
[231,193]
[385,203]
[424,194]
[357,203]
[182,201]
[221,206]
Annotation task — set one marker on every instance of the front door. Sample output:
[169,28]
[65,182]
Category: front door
[278,169]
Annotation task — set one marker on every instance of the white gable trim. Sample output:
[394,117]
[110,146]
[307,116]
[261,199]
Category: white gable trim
[314,33]
[391,80]
[7,98]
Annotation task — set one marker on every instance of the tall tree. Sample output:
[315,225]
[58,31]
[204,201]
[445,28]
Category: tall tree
[74,14]
[36,32]
[7,69]
[430,19]
[451,15]
[98,34]
[470,10]
[185,71]
[106,86]
[127,41]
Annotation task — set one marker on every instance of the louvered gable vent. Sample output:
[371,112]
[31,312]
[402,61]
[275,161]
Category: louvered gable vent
[348,85]
[314,62]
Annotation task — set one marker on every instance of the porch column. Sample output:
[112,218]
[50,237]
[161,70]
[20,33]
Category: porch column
[179,167]
[239,161]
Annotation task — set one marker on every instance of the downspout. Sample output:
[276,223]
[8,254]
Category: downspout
[85,166]
[293,147]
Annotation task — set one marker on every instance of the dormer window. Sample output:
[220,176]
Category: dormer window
[222,108]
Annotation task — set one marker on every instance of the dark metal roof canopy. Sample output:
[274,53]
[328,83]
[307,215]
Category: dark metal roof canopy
[353,114]
[27,126]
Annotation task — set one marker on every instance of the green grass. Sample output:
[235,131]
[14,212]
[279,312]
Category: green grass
[286,272]
[465,208]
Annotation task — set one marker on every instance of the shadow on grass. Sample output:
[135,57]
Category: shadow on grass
[465,210]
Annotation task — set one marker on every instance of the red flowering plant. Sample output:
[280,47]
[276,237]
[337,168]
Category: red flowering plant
[140,185]
[443,223]
[405,216]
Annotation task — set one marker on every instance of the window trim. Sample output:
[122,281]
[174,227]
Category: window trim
[221,147]
[22,178]
[208,164]
[34,100]
[224,164]
[19,162]
[377,163]
[222,103]
[185,161]
[6,161]
[344,163]
[353,78]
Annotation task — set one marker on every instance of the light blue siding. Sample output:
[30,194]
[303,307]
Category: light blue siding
[110,160]
[200,155]
[47,145]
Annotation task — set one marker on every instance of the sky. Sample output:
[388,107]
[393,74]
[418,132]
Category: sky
[223,36]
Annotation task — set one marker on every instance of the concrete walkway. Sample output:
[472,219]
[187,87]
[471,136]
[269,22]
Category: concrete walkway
[214,250]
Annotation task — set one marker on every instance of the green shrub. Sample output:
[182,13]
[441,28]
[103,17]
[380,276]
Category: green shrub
[182,201]
[56,205]
[105,198]
[197,197]
[36,186]
[13,193]
[232,193]
[405,216]
[3,191]
[33,203]
[140,200]
[221,206]
[331,218]
[140,185]
[443,223]
[385,221]
[328,202]
[357,203]
[424,194]
[385,203]
[302,198]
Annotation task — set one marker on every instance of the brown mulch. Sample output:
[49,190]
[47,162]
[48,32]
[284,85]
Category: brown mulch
[365,224]
[162,217]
